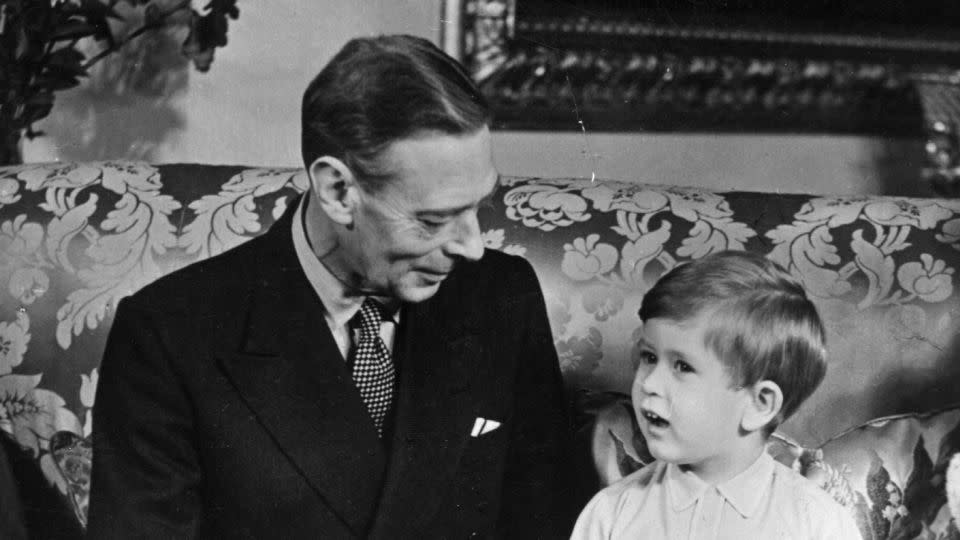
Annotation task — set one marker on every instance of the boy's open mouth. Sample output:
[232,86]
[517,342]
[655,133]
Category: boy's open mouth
[654,419]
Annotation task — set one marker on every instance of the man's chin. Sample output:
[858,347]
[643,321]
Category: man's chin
[417,293]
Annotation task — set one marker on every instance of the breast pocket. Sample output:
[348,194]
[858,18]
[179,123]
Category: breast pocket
[487,444]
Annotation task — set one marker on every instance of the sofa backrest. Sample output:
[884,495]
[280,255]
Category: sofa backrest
[76,238]
[881,270]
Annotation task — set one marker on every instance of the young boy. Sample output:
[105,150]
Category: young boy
[731,347]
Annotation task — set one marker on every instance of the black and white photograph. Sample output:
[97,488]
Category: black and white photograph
[501,269]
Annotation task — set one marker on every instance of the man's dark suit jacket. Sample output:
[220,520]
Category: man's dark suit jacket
[225,410]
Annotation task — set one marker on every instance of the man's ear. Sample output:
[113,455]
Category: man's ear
[766,400]
[334,188]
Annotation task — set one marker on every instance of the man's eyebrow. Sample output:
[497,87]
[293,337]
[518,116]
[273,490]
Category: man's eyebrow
[458,209]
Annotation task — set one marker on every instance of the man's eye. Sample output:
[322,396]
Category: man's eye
[648,358]
[433,223]
[683,367]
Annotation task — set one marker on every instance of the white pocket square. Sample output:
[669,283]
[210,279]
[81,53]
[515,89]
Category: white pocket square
[483,425]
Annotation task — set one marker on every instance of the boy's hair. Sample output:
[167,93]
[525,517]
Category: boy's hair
[759,320]
[378,90]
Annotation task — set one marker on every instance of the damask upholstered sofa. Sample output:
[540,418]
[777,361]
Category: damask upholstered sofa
[76,238]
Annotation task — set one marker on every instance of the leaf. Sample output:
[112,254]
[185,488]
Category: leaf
[209,31]
[952,532]
[52,81]
[225,7]
[949,445]
[877,480]
[124,261]
[32,414]
[52,473]
[73,457]
[920,496]
[74,29]
[824,252]
[99,9]
[96,14]
[40,98]
[878,268]
[783,237]
[223,220]
[67,60]
[905,528]
[32,113]
[61,230]
[862,516]
[636,255]
[702,240]
[625,462]
[737,233]
[29,48]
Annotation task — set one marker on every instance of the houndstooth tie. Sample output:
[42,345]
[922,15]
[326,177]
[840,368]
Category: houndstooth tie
[373,371]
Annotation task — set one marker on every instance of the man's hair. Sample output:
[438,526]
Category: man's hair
[378,90]
[759,321]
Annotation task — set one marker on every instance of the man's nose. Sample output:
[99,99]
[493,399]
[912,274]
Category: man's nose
[466,242]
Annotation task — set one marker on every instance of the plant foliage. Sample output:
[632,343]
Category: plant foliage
[45,48]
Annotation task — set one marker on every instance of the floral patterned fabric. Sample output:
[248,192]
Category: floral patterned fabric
[76,238]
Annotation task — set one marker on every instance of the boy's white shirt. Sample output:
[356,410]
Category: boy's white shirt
[766,501]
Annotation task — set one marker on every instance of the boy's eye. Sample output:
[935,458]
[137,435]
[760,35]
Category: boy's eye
[683,367]
[647,358]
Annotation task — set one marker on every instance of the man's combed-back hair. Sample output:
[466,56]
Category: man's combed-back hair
[759,320]
[378,90]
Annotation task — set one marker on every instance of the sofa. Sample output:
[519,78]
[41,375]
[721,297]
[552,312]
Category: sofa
[878,434]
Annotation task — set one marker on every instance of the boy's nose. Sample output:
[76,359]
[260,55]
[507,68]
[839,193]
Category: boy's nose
[648,380]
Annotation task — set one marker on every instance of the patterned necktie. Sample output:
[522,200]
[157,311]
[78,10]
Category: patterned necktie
[373,371]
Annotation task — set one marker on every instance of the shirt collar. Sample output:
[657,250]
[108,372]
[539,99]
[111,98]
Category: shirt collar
[744,492]
[683,487]
[340,305]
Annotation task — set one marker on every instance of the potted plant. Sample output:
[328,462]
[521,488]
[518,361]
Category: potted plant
[47,46]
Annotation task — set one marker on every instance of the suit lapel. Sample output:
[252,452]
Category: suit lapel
[438,356]
[290,372]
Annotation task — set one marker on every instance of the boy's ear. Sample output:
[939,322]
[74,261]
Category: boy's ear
[334,188]
[766,400]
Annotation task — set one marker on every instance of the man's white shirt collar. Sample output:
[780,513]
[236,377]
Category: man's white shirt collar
[339,305]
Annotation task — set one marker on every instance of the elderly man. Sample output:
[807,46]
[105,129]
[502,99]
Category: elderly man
[362,370]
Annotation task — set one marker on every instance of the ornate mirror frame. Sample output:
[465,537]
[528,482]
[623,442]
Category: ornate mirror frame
[598,65]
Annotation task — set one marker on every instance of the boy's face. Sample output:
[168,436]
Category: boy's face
[686,403]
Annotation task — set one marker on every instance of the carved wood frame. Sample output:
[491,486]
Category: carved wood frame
[606,76]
